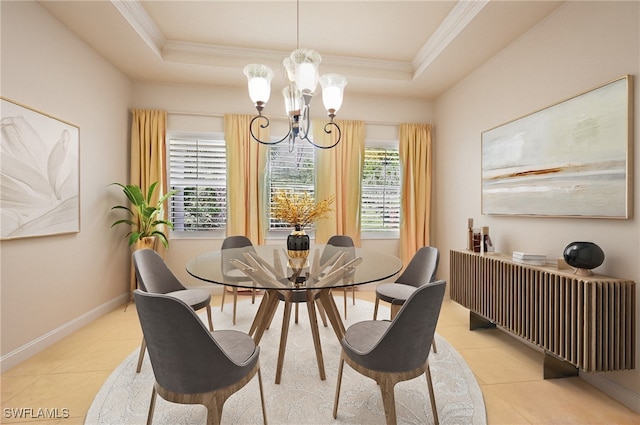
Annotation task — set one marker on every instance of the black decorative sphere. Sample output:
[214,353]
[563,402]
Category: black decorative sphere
[583,255]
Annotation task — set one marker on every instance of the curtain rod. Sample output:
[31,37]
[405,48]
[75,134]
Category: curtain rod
[207,114]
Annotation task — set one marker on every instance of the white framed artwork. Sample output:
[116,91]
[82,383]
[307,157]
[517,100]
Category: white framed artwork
[571,159]
[39,173]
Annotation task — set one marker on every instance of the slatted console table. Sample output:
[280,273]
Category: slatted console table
[580,322]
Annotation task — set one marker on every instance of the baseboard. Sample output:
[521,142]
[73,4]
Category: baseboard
[21,354]
[613,390]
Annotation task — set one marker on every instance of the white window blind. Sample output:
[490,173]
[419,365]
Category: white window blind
[291,172]
[381,189]
[197,170]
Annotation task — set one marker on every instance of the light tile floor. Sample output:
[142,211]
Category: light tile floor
[68,374]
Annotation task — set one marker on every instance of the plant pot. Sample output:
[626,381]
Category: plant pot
[148,242]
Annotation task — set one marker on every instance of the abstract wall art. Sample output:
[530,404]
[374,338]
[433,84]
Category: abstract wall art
[572,159]
[39,173]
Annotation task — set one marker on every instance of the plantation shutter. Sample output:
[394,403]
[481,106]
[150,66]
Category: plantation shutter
[198,172]
[290,172]
[380,189]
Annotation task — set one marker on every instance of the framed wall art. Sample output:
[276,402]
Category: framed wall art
[39,173]
[572,159]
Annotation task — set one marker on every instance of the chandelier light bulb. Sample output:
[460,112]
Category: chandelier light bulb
[289,68]
[306,62]
[332,91]
[259,81]
[291,100]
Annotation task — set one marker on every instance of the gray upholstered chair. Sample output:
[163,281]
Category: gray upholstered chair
[345,243]
[420,270]
[155,277]
[192,365]
[228,253]
[396,351]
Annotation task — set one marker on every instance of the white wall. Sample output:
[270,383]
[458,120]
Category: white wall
[53,285]
[580,46]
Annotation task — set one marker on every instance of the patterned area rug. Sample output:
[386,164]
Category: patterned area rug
[301,398]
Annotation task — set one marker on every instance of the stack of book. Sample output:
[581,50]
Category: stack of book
[529,258]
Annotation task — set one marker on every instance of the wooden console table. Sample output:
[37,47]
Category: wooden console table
[579,322]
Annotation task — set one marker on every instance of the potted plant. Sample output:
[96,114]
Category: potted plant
[299,210]
[145,219]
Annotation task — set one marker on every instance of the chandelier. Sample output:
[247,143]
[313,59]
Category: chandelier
[301,68]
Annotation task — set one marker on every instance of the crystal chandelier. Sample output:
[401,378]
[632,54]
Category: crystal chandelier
[301,69]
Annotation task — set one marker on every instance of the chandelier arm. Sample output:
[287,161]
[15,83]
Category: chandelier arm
[327,130]
[265,125]
[306,121]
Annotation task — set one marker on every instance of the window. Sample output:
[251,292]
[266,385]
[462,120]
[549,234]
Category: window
[290,171]
[197,170]
[380,190]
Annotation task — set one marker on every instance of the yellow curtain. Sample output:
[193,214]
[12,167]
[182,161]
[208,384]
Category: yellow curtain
[246,184]
[148,156]
[148,160]
[339,173]
[415,214]
[148,153]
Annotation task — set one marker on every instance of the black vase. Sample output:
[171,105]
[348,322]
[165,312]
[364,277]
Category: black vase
[584,256]
[298,244]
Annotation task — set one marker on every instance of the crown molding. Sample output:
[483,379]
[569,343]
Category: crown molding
[459,17]
[217,55]
[135,14]
[225,56]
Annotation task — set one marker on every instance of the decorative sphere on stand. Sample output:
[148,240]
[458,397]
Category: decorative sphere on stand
[583,256]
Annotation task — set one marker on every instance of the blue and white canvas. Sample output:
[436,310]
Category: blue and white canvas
[569,160]
[39,176]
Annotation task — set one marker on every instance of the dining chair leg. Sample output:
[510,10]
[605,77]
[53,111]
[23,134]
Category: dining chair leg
[152,406]
[395,308]
[432,396]
[345,302]
[224,292]
[264,410]
[235,303]
[214,409]
[143,348]
[433,345]
[209,319]
[338,384]
[388,401]
[375,308]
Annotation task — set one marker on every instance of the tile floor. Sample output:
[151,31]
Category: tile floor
[68,374]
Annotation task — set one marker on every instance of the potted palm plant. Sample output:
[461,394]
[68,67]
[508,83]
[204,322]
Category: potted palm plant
[144,218]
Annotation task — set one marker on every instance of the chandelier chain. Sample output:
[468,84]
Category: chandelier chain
[297,24]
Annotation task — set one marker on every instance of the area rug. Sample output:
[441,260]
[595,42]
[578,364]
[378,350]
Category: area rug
[301,398]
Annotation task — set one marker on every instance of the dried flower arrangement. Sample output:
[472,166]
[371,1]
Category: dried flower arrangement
[300,210]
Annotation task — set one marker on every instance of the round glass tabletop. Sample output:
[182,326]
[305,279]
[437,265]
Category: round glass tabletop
[271,268]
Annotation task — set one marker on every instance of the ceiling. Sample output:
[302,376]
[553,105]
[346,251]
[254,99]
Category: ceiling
[414,49]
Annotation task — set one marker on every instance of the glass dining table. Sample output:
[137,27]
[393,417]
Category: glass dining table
[294,280]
